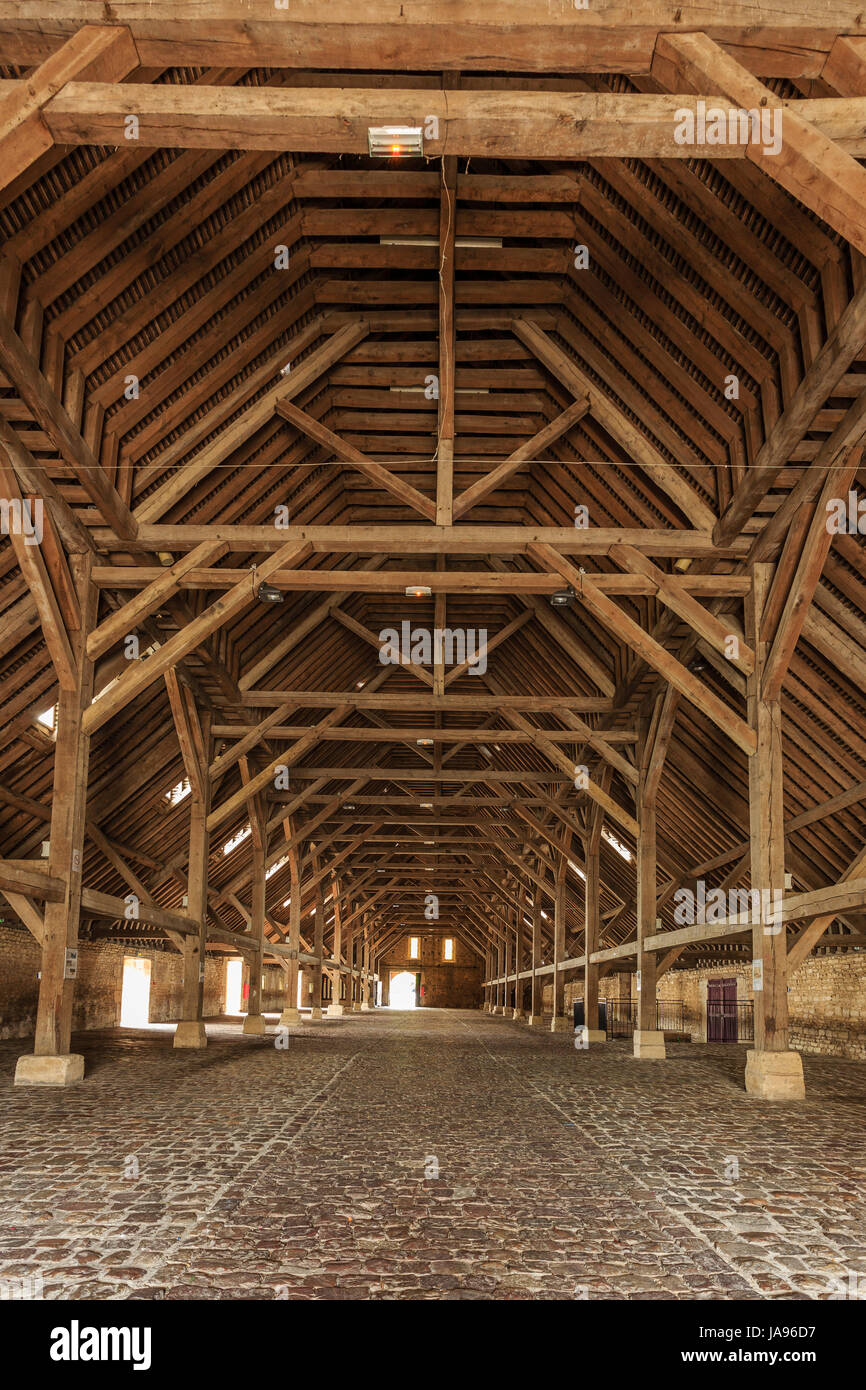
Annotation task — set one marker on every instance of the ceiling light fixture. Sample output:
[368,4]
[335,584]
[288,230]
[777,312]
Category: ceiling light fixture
[268,593]
[563,598]
[395,141]
[418,591]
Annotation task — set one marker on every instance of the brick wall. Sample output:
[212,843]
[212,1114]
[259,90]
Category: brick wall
[447,984]
[826,1000]
[100,982]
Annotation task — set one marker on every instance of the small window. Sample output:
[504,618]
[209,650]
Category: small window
[449,948]
[414,948]
[47,720]
[237,839]
[178,792]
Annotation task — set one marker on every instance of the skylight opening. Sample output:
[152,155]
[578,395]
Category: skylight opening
[275,868]
[622,850]
[177,793]
[237,839]
[47,720]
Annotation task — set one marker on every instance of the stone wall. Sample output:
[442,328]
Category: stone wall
[100,982]
[826,1000]
[447,984]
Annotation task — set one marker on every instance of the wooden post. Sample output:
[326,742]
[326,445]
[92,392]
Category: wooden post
[507,1005]
[649,1043]
[291,1013]
[594,1034]
[51,1063]
[560,1023]
[519,986]
[365,966]
[335,1008]
[190,1031]
[536,1010]
[773,1072]
[254,1022]
[318,947]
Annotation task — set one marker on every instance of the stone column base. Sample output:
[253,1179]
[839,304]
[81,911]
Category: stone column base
[775,1075]
[561,1024]
[500,1010]
[315,1014]
[337,1010]
[594,1035]
[535,1020]
[649,1044]
[356,1008]
[254,1024]
[366,1008]
[518,1014]
[190,1033]
[290,1017]
[61,1069]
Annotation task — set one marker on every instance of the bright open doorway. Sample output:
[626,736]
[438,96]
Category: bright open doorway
[135,993]
[234,986]
[402,990]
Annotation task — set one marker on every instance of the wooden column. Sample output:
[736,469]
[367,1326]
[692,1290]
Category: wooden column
[773,1072]
[560,1023]
[291,1013]
[536,1009]
[318,947]
[336,1008]
[254,1022]
[591,934]
[51,1062]
[649,1043]
[519,953]
[509,938]
[190,1031]
[365,966]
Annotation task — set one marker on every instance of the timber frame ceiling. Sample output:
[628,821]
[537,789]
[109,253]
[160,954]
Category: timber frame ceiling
[216,306]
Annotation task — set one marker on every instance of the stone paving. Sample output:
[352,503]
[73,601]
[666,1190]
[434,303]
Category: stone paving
[428,1155]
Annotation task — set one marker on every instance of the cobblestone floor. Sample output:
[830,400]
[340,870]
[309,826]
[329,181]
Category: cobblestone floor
[309,1172]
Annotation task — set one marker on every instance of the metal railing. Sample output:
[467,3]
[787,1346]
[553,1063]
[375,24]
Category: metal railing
[622,1017]
[730,1022]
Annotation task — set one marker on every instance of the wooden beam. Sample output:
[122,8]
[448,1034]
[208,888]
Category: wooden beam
[75,455]
[527,453]
[28,553]
[444,511]
[252,418]
[124,621]
[808,164]
[620,38]
[144,672]
[608,414]
[813,556]
[475,123]
[95,53]
[376,472]
[378,539]
[628,631]
[673,596]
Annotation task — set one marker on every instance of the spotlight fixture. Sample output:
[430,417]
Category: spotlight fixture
[395,141]
[418,591]
[563,598]
[424,742]
[268,593]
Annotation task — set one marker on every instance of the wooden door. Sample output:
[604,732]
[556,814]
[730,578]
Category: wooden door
[722,1011]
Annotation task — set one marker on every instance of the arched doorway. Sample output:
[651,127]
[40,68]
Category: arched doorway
[402,990]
